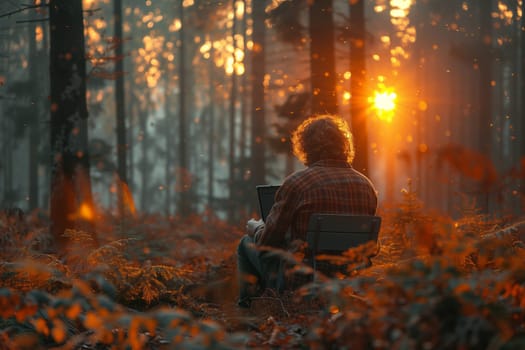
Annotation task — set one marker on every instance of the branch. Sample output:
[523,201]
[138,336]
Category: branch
[33,20]
[516,229]
[27,7]
[90,12]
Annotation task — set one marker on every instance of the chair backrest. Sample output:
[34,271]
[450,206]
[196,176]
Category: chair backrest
[338,232]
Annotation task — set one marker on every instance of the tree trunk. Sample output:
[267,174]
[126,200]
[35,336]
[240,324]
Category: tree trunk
[233,188]
[522,117]
[144,164]
[134,115]
[211,133]
[46,166]
[7,161]
[34,135]
[169,149]
[358,101]
[120,107]
[322,56]
[70,179]
[244,98]
[258,59]
[183,173]
[244,119]
[485,90]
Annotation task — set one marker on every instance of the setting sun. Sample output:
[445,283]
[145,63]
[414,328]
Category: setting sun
[384,104]
[385,101]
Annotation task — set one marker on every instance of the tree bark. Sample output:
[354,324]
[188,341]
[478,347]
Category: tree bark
[485,90]
[244,97]
[168,173]
[211,133]
[322,57]
[34,135]
[7,161]
[144,164]
[70,179]
[258,59]
[232,169]
[358,101]
[120,107]
[134,115]
[522,117]
[183,173]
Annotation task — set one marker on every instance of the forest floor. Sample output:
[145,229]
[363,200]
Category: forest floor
[154,283]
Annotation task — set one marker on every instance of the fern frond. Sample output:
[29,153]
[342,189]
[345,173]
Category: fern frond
[110,252]
[78,236]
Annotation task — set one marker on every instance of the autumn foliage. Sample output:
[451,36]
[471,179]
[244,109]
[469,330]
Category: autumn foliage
[157,283]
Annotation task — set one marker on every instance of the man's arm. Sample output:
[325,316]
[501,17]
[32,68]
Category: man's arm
[273,232]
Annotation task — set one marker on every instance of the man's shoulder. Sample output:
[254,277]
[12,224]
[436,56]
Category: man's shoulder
[363,177]
[298,178]
[321,174]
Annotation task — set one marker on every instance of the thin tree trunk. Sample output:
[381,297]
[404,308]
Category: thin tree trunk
[34,135]
[244,98]
[46,115]
[243,138]
[184,205]
[211,133]
[358,85]
[514,123]
[169,149]
[521,129]
[231,148]
[7,162]
[258,129]
[134,109]
[144,166]
[322,55]
[120,106]
[10,191]
[485,70]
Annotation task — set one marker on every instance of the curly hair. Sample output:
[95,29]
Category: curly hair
[323,137]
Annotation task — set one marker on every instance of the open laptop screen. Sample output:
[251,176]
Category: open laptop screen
[266,197]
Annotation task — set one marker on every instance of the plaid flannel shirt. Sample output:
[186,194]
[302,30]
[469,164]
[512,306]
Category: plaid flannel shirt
[327,186]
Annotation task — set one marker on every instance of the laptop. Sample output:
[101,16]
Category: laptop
[266,198]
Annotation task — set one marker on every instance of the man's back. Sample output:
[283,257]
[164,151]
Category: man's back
[327,186]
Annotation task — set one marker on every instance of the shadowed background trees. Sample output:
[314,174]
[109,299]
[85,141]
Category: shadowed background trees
[191,104]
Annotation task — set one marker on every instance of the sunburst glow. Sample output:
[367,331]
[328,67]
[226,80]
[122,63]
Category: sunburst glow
[384,103]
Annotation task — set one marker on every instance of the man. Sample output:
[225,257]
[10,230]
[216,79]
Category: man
[328,184]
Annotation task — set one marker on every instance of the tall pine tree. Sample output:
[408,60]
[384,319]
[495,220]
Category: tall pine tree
[71,198]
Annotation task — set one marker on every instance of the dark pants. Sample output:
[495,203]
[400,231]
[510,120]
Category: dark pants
[258,270]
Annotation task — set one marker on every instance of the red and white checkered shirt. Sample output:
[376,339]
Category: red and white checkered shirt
[327,186]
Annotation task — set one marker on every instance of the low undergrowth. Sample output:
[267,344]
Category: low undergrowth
[155,283]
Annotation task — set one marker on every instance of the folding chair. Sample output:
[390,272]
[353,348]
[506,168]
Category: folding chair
[333,234]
